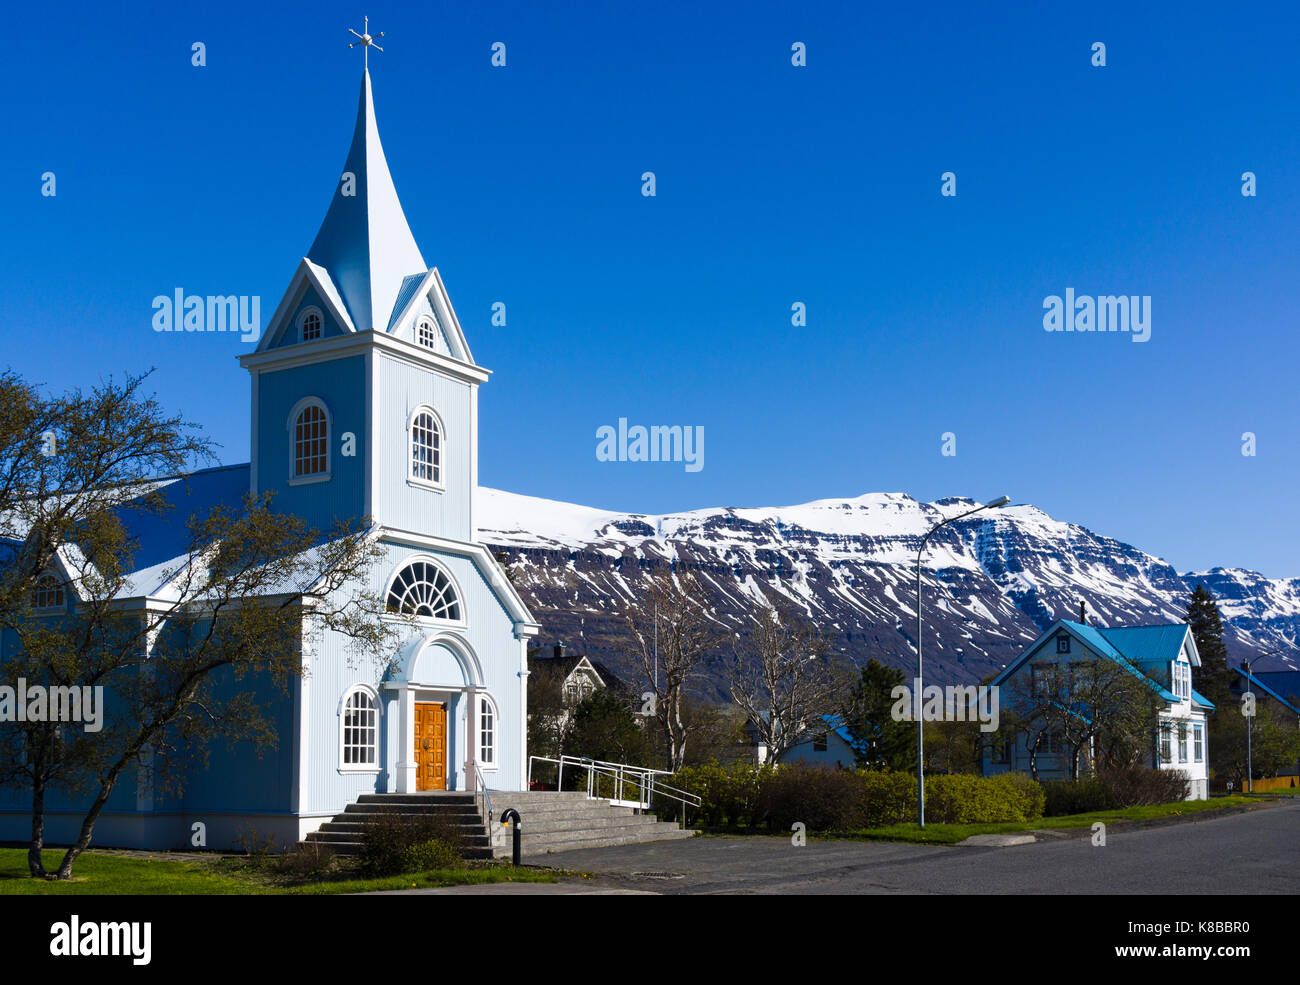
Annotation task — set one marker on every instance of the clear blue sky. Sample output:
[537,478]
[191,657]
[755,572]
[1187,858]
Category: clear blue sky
[775,184]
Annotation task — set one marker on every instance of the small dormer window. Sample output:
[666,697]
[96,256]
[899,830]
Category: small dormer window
[48,593]
[310,325]
[426,333]
[1063,644]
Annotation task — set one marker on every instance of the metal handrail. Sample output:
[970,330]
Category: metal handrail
[486,810]
[645,778]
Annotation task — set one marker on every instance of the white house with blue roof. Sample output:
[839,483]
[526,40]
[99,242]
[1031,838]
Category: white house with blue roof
[364,403]
[1164,656]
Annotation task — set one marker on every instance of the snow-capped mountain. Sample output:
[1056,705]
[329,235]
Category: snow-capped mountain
[991,583]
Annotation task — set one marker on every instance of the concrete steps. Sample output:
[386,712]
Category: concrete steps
[343,834]
[552,822]
[562,821]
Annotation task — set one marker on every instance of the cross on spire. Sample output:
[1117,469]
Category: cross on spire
[366,41]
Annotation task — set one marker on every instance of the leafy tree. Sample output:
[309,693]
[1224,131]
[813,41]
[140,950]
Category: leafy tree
[1213,678]
[604,728]
[234,606]
[549,718]
[1274,742]
[879,741]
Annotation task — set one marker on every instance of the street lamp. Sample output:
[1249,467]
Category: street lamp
[920,676]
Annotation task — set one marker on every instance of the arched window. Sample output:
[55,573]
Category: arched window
[359,730]
[423,589]
[48,593]
[311,441]
[426,447]
[487,732]
[426,333]
[311,325]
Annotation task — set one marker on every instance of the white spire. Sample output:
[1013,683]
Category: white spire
[365,242]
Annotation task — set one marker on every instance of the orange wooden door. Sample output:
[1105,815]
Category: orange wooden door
[430,746]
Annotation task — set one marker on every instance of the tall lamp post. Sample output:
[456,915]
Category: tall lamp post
[920,675]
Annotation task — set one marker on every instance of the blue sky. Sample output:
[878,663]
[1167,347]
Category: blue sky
[775,184]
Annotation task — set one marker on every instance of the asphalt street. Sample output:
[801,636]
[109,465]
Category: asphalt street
[1257,852]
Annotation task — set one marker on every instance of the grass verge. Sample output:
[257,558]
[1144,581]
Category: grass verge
[106,874]
[951,834]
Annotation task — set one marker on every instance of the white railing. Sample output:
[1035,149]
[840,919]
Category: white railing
[631,786]
[485,810]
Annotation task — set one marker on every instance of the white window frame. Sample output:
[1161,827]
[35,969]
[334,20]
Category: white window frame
[373,695]
[486,702]
[1198,742]
[302,323]
[1165,743]
[292,426]
[462,622]
[1182,743]
[440,485]
[57,585]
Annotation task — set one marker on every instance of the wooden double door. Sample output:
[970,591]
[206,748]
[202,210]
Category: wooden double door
[430,745]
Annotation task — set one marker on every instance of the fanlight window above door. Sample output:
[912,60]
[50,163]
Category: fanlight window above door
[422,589]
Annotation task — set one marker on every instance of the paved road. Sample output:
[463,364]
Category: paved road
[1254,852]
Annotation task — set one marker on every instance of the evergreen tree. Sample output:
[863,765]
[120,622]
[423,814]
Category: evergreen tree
[879,741]
[1213,677]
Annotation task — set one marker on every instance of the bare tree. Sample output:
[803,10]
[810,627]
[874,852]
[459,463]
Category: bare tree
[785,679]
[1099,707]
[671,628]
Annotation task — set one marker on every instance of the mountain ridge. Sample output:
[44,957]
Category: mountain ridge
[991,583]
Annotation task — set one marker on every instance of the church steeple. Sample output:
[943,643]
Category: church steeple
[365,243]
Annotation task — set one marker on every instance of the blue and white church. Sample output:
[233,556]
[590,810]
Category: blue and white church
[364,403]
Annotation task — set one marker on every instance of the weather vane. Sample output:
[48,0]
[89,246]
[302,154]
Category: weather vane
[366,41]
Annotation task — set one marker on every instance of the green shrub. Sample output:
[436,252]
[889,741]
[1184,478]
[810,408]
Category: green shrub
[732,795]
[886,798]
[387,839]
[306,859]
[1133,786]
[1080,796]
[822,799]
[433,854]
[744,794]
[1024,794]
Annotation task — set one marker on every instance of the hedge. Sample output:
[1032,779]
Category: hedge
[745,795]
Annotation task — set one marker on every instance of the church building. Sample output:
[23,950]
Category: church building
[364,403]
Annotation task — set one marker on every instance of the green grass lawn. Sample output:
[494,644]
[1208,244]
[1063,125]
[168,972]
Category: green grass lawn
[950,834]
[102,874]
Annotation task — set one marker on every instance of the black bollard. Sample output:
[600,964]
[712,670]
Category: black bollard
[510,814]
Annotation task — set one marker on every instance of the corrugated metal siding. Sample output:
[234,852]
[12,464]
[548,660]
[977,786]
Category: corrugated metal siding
[341,386]
[400,389]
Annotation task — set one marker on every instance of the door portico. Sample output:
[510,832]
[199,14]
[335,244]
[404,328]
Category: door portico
[437,681]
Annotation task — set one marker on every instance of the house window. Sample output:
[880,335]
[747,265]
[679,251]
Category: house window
[311,442]
[1166,736]
[1000,750]
[1198,743]
[426,447]
[423,589]
[360,730]
[1063,644]
[311,325]
[1182,743]
[819,742]
[48,593]
[1055,744]
[487,732]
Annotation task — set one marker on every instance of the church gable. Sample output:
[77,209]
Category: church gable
[310,310]
[424,316]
